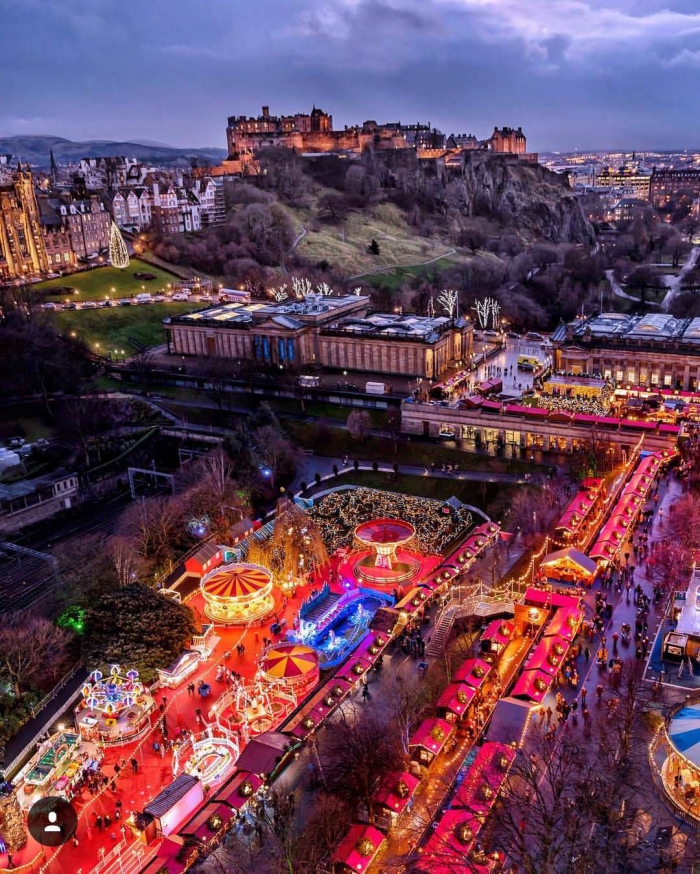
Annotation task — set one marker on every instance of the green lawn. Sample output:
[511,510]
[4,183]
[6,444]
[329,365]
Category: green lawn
[98,284]
[111,327]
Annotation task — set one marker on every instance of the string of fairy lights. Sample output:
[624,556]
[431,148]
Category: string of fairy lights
[338,514]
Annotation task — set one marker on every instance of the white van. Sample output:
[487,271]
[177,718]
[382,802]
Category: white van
[376,388]
[144,298]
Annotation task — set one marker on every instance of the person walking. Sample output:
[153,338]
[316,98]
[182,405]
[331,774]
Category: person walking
[135,766]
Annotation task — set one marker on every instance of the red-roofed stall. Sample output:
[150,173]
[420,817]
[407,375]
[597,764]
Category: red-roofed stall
[532,685]
[454,701]
[358,849]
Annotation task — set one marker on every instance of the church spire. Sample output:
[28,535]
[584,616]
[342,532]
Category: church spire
[54,168]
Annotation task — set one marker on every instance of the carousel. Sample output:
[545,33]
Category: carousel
[238,593]
[251,708]
[681,770]
[293,665]
[383,555]
[115,708]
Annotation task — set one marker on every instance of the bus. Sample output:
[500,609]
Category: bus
[528,362]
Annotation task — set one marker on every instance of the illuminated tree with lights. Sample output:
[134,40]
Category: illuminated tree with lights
[296,546]
[487,309]
[280,292]
[118,255]
[449,301]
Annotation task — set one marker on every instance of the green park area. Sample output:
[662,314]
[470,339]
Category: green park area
[105,282]
[109,329]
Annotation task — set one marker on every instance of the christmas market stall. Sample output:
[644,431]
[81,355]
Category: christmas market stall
[56,767]
[115,708]
[238,593]
[568,565]
[428,740]
[565,623]
[548,655]
[393,797]
[454,701]
[238,792]
[497,635]
[532,685]
[472,671]
[358,849]
[456,837]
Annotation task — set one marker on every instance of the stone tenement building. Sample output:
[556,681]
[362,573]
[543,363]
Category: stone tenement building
[667,183]
[73,230]
[333,332]
[654,351]
[22,249]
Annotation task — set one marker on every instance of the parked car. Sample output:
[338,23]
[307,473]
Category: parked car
[513,335]
[533,335]
[180,296]
[72,306]
[204,298]
[490,333]
[106,303]
[49,306]
[90,305]
[125,302]
[159,298]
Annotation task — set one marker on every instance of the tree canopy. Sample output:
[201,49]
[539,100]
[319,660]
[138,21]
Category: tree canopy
[136,627]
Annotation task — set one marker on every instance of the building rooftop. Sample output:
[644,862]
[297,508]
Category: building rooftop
[652,327]
[291,314]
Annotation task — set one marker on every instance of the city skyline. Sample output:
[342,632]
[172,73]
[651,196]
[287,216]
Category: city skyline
[626,71]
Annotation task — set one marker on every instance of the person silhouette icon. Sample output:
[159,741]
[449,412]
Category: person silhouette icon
[53,816]
[52,821]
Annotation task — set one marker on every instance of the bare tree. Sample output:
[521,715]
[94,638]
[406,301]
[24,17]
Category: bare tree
[357,757]
[358,424]
[31,648]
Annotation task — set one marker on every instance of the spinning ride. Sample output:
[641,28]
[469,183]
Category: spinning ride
[294,665]
[114,708]
[383,556]
[238,593]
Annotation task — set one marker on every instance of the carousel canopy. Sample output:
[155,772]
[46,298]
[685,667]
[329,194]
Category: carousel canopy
[571,555]
[291,661]
[684,733]
[237,581]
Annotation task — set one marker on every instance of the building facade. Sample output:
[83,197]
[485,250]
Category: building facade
[22,247]
[508,140]
[653,351]
[627,179]
[666,184]
[512,430]
[333,332]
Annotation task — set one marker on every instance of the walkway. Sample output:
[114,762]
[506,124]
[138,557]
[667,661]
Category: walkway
[674,282]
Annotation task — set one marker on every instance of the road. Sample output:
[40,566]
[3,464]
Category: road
[674,282]
[617,288]
[447,254]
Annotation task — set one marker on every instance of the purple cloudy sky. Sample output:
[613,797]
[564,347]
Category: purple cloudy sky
[573,73]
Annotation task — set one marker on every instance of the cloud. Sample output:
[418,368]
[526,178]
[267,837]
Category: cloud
[553,32]
[685,58]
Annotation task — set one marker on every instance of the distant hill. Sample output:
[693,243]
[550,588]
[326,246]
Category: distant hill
[35,150]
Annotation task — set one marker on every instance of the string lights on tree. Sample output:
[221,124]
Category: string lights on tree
[118,254]
[449,300]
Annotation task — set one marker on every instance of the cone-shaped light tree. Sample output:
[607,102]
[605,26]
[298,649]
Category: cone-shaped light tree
[118,255]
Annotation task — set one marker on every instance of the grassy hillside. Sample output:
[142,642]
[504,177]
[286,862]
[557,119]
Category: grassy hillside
[345,246]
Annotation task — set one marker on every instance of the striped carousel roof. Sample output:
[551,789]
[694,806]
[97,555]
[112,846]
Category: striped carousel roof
[684,733]
[237,581]
[290,661]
